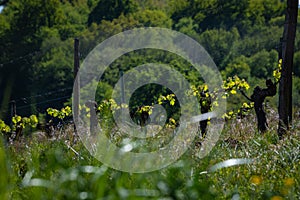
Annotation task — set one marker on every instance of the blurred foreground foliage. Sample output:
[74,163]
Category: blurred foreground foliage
[42,168]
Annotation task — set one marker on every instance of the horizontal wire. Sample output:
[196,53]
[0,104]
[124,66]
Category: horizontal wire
[43,94]
[38,103]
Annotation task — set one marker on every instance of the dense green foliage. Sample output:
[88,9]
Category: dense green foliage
[36,42]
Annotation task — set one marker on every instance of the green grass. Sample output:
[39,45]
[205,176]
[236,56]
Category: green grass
[39,168]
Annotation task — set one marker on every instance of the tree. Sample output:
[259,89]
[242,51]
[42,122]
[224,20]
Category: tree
[238,67]
[20,44]
[3,2]
[219,43]
[111,9]
[262,63]
[28,62]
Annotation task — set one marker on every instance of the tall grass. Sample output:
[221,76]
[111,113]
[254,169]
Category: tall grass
[43,168]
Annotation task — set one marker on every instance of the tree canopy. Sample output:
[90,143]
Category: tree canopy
[36,40]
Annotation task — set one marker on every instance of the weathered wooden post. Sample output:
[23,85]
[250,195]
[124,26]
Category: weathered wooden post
[13,113]
[122,94]
[13,109]
[285,84]
[92,105]
[76,83]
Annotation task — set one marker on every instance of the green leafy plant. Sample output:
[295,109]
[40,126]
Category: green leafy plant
[168,98]
[4,128]
[61,114]
[243,111]
[111,105]
[230,87]
[277,71]
[22,122]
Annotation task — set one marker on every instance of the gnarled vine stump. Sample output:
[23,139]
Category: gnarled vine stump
[258,97]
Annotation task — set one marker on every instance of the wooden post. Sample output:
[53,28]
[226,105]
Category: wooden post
[122,94]
[285,84]
[13,113]
[13,109]
[122,88]
[76,82]
[279,49]
[92,105]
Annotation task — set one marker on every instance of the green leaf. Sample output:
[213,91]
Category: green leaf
[172,102]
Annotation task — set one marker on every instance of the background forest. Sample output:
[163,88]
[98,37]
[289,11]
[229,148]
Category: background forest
[36,60]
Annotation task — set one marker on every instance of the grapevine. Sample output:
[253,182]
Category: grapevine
[207,99]
[4,128]
[168,99]
[61,114]
[277,71]
[244,110]
[22,122]
[111,105]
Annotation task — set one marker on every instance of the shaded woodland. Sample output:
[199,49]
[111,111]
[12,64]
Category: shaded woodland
[36,43]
